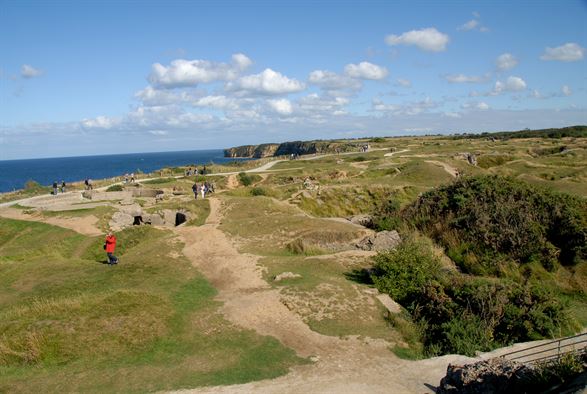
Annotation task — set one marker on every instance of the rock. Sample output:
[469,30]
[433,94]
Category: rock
[472,159]
[362,220]
[496,375]
[389,304]
[154,219]
[286,275]
[121,220]
[383,240]
[169,217]
[132,210]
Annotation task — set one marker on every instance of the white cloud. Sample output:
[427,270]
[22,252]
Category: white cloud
[267,82]
[506,61]
[512,84]
[150,96]
[470,25]
[482,106]
[281,106]
[158,132]
[28,71]
[100,122]
[218,102]
[241,61]
[569,52]
[566,90]
[314,104]
[428,39]
[366,70]
[329,80]
[411,108]
[461,78]
[454,115]
[182,73]
[406,83]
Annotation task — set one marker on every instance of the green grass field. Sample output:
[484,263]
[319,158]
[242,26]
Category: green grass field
[70,323]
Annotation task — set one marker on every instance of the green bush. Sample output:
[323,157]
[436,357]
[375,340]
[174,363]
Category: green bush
[258,191]
[245,179]
[157,181]
[403,272]
[486,217]
[115,188]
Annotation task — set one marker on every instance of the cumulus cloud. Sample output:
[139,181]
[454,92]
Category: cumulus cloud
[217,102]
[569,52]
[405,83]
[329,80]
[267,82]
[366,70]
[281,106]
[183,73]
[506,61]
[150,96]
[313,104]
[28,71]
[470,25]
[454,115]
[481,106]
[410,108]
[428,39]
[461,78]
[100,122]
[566,90]
[512,84]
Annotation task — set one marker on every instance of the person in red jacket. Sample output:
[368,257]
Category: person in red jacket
[109,246]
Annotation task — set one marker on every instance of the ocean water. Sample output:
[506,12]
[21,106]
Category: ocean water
[15,173]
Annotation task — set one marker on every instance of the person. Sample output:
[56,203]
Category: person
[109,246]
[62,186]
[54,188]
[132,177]
[126,178]
[90,186]
[195,190]
[204,170]
[87,184]
[203,190]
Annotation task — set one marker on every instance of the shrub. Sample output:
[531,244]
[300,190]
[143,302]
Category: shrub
[31,185]
[258,191]
[493,216]
[245,179]
[404,271]
[115,188]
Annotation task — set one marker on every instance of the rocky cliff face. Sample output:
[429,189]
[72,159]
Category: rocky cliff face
[288,148]
[255,151]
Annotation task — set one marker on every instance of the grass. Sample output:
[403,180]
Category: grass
[70,323]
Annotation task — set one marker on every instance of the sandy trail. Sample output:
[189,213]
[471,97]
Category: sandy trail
[340,364]
[447,167]
[86,225]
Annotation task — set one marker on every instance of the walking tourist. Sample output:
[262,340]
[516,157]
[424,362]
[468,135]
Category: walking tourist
[109,246]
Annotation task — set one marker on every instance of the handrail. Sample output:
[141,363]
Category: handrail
[576,343]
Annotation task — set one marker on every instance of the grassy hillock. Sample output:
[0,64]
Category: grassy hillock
[521,251]
[69,323]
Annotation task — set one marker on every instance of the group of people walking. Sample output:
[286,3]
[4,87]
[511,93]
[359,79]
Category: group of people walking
[58,188]
[190,172]
[202,189]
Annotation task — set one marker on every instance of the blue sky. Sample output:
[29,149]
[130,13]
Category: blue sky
[89,77]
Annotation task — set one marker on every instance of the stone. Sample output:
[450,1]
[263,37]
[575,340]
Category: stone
[154,219]
[121,220]
[132,210]
[381,241]
[286,275]
[496,375]
[362,220]
[389,304]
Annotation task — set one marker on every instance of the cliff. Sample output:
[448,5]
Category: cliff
[288,148]
[255,151]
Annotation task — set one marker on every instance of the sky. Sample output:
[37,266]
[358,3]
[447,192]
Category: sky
[99,77]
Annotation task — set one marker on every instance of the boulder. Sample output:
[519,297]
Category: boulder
[286,275]
[121,220]
[132,210]
[362,220]
[381,241]
[496,375]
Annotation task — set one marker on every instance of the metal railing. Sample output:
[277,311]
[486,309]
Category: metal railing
[549,351]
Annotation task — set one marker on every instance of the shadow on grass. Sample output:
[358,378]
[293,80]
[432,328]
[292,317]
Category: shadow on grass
[362,275]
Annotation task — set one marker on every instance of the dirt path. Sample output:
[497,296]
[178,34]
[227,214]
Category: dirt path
[447,167]
[340,364]
[86,225]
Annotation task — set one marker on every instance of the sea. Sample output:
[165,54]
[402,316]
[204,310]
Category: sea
[15,173]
